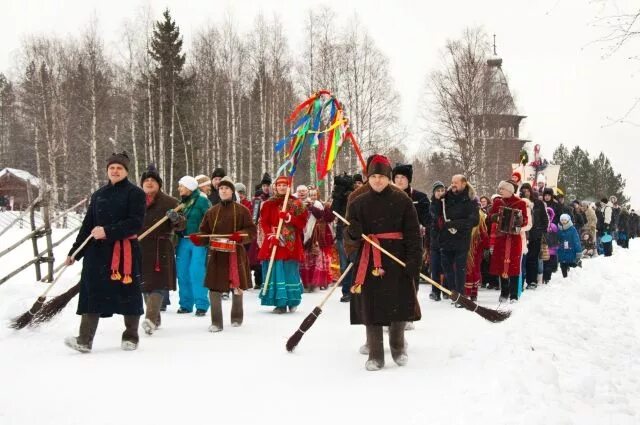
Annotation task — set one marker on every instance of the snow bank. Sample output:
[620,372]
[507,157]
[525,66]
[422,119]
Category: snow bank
[568,355]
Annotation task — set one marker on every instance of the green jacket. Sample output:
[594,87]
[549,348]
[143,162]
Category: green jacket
[196,205]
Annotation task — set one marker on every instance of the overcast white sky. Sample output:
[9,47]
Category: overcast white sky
[561,81]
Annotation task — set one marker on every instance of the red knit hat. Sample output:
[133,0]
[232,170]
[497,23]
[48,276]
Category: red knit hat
[379,164]
[282,180]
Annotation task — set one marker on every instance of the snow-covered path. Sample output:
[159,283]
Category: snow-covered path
[568,355]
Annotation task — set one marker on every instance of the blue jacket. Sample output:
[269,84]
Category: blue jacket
[568,234]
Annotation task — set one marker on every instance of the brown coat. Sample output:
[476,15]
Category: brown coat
[158,251]
[225,218]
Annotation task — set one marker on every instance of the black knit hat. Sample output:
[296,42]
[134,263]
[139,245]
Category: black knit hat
[151,173]
[266,179]
[358,178]
[218,172]
[121,158]
[404,170]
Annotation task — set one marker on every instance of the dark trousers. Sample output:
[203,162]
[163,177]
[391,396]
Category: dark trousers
[531,265]
[509,287]
[257,275]
[608,249]
[344,262]
[437,273]
[549,267]
[454,264]
[565,268]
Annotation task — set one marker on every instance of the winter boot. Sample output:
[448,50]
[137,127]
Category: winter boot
[280,310]
[84,341]
[153,303]
[435,296]
[201,313]
[130,336]
[396,342]
[376,348]
[216,311]
[345,298]
[237,313]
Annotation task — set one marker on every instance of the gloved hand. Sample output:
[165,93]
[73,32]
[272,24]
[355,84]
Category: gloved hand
[197,240]
[284,215]
[272,240]
[173,216]
[235,236]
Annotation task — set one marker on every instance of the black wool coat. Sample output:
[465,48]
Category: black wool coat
[462,212]
[158,251]
[392,296]
[540,221]
[120,210]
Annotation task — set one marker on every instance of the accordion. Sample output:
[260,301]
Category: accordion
[509,220]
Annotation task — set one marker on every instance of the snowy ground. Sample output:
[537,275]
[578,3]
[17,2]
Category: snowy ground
[568,355]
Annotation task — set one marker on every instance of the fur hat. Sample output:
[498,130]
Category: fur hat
[189,182]
[508,185]
[203,180]
[436,185]
[151,173]
[378,164]
[226,181]
[218,172]
[266,179]
[547,191]
[404,170]
[121,158]
[358,178]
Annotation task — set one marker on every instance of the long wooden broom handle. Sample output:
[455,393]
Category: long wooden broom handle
[275,247]
[64,267]
[335,285]
[159,222]
[86,241]
[394,258]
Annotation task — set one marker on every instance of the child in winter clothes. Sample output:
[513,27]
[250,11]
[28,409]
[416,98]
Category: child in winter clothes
[588,244]
[479,242]
[550,266]
[570,249]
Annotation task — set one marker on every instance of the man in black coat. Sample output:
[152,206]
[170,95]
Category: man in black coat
[216,176]
[402,175]
[386,291]
[111,281]
[540,223]
[456,219]
[550,202]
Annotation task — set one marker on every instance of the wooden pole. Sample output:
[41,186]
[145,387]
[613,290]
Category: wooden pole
[393,257]
[275,247]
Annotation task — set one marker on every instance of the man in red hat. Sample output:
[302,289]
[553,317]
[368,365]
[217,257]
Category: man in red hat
[384,291]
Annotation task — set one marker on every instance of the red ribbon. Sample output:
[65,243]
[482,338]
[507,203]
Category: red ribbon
[128,260]
[233,268]
[377,258]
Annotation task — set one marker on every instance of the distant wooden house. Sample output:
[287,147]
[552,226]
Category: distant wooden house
[19,184]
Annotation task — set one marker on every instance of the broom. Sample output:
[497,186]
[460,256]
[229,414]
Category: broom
[306,324]
[58,303]
[25,318]
[486,313]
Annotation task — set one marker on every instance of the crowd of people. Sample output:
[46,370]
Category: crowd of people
[218,241]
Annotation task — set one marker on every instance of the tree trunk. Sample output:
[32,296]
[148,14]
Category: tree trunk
[161,156]
[172,135]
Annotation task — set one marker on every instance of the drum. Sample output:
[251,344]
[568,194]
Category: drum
[509,220]
[222,245]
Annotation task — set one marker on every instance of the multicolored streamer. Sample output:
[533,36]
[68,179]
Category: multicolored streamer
[321,130]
